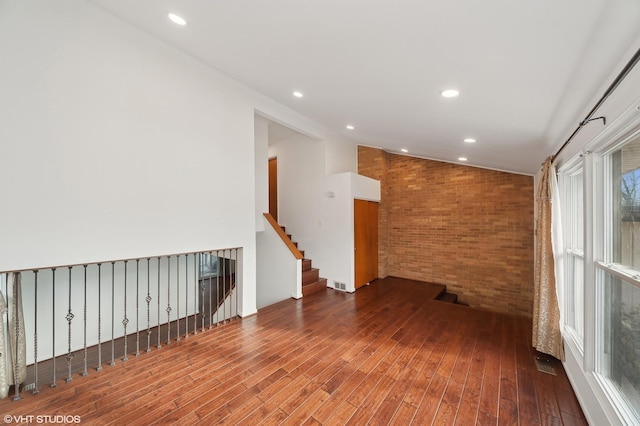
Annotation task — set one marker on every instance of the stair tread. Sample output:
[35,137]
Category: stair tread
[314,287]
[313,282]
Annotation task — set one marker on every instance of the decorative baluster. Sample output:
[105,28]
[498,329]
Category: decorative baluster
[202,313]
[195,294]
[35,334]
[230,291]
[227,283]
[234,280]
[235,283]
[125,320]
[186,296]
[210,313]
[148,300]
[216,289]
[168,300]
[69,317]
[53,324]
[4,316]
[214,309]
[224,289]
[99,367]
[178,297]
[159,344]
[137,307]
[6,312]
[16,289]
[113,314]
[84,372]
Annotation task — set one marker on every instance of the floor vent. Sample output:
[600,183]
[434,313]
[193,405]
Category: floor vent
[339,286]
[544,365]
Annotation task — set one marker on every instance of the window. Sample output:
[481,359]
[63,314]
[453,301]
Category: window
[574,253]
[600,303]
[618,338]
[618,278]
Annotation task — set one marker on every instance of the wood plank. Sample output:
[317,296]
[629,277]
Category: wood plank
[342,416]
[508,402]
[404,371]
[344,387]
[367,409]
[448,408]
[488,406]
[528,410]
[404,415]
[468,410]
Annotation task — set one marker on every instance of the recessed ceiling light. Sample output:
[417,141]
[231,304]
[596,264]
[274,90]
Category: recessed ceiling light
[177,19]
[404,150]
[470,140]
[462,158]
[298,94]
[450,93]
[350,127]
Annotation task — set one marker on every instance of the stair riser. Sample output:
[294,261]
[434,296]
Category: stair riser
[306,265]
[310,276]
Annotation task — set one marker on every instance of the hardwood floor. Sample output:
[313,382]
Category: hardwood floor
[387,354]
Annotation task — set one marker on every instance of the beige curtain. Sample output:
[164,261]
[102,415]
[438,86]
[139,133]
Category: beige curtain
[546,313]
[13,348]
[4,381]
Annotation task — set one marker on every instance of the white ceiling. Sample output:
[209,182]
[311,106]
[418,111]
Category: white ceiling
[527,70]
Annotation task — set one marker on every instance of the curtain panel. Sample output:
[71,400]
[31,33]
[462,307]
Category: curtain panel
[13,348]
[547,337]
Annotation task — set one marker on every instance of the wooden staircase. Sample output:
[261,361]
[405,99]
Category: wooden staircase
[312,282]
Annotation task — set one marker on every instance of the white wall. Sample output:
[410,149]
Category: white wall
[340,153]
[317,209]
[301,168]
[279,272]
[261,141]
[337,255]
[115,145]
[617,109]
[336,260]
[364,188]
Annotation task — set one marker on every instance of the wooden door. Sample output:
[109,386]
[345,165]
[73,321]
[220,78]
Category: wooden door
[365,214]
[273,188]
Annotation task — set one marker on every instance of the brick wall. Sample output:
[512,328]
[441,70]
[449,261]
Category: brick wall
[466,227]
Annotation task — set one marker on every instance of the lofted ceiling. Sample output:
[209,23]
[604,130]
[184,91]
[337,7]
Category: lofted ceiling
[527,71]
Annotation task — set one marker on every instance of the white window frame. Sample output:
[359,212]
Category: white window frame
[603,262]
[598,395]
[571,251]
